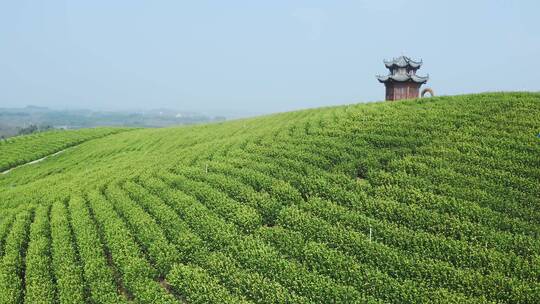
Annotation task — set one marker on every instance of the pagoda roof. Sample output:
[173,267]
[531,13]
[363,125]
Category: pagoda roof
[401,62]
[403,78]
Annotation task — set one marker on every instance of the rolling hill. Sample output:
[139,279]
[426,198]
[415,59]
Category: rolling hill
[429,200]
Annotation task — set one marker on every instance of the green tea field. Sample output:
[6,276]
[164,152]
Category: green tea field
[433,200]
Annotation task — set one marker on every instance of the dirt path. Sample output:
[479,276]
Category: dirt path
[34,161]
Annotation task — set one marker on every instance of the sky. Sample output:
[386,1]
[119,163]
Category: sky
[253,57]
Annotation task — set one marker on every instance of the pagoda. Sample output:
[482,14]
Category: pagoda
[402,81]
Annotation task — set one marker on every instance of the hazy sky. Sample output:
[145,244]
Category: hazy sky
[256,56]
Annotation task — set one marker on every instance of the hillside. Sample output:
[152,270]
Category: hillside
[24,149]
[429,200]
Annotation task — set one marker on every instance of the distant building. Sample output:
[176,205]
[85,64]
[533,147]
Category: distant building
[402,81]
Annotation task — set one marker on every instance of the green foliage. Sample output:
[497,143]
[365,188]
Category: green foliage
[67,270]
[12,267]
[38,279]
[422,201]
[23,149]
[199,287]
[97,273]
[137,272]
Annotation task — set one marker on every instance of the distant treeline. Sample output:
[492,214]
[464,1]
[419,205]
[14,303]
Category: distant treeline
[31,119]
[32,128]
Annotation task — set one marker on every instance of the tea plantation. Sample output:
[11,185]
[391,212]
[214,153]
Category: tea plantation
[423,201]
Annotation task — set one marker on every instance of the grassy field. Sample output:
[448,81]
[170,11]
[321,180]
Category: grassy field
[431,200]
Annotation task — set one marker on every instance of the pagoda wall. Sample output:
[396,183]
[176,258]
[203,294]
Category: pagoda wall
[402,90]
